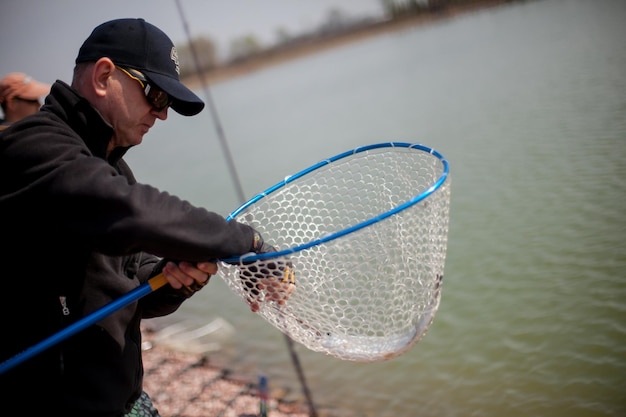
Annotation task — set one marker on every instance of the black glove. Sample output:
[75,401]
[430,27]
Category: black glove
[277,268]
[254,276]
[259,246]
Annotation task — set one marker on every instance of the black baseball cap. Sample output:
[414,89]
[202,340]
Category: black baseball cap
[137,44]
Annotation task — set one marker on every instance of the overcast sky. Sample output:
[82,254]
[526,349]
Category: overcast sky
[42,37]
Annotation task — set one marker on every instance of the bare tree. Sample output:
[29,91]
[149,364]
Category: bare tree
[205,52]
[282,36]
[244,46]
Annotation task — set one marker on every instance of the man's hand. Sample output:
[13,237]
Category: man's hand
[189,277]
[267,280]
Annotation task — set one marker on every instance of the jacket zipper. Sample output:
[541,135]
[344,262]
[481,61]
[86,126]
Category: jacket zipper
[66,312]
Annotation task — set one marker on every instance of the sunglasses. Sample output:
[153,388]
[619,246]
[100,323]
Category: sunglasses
[156,97]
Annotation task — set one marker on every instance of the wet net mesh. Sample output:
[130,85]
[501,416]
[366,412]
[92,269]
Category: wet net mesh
[361,294]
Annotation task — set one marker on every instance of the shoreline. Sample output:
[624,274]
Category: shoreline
[273,57]
[188,384]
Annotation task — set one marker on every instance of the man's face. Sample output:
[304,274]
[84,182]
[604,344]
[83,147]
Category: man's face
[129,112]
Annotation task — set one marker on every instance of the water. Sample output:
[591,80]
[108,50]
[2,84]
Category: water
[528,103]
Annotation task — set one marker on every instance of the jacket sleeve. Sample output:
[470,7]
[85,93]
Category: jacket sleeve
[88,199]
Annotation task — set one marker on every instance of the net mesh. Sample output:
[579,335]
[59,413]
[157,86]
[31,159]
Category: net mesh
[368,294]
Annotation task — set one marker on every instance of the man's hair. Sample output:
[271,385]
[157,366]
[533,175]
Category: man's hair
[79,73]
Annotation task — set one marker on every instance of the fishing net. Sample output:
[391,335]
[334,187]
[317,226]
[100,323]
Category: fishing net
[362,241]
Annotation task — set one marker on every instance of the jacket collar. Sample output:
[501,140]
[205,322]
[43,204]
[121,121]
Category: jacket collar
[82,118]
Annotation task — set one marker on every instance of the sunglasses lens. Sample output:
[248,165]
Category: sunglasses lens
[158,99]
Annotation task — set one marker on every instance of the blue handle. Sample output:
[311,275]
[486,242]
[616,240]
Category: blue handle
[134,295]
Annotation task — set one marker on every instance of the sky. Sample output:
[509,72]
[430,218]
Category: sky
[42,37]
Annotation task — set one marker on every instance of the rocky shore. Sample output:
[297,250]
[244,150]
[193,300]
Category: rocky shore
[184,384]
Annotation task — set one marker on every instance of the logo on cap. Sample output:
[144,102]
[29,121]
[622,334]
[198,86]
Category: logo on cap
[174,57]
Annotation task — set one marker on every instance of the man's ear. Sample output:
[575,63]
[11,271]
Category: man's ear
[100,77]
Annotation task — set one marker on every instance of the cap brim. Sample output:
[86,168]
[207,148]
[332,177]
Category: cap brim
[184,101]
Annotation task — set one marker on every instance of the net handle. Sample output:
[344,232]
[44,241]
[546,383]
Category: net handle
[159,281]
[146,288]
[437,184]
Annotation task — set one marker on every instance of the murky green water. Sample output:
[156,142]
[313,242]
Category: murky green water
[528,103]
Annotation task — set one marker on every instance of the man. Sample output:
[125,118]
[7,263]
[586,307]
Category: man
[79,231]
[20,96]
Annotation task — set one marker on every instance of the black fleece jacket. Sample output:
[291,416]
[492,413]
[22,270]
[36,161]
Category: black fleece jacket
[79,232]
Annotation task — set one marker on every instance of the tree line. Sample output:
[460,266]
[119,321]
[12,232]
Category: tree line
[201,53]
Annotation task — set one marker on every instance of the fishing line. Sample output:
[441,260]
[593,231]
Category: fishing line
[238,187]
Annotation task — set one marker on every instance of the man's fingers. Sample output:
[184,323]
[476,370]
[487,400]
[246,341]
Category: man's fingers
[187,275]
[208,267]
[269,281]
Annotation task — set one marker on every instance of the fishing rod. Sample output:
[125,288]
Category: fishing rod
[235,177]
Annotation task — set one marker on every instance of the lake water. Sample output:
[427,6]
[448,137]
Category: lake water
[527,101]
